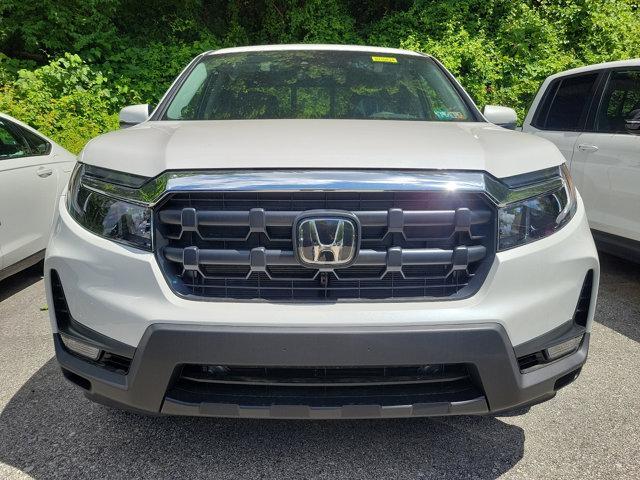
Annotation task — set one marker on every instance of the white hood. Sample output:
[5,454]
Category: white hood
[153,147]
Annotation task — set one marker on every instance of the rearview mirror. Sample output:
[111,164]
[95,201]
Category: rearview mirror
[134,114]
[502,116]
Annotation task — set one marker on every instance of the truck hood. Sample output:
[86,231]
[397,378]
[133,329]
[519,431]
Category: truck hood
[151,148]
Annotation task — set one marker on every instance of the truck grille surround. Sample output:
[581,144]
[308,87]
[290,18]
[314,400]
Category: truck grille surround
[418,245]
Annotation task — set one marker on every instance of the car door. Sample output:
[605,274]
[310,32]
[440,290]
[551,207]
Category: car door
[561,114]
[28,191]
[609,157]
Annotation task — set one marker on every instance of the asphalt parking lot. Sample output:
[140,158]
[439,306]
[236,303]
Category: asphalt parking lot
[591,429]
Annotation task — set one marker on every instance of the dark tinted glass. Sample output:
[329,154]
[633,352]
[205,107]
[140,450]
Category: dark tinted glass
[317,84]
[12,145]
[570,103]
[542,113]
[620,102]
[39,146]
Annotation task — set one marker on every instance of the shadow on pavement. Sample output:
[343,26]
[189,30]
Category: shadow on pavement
[19,281]
[49,430]
[619,296]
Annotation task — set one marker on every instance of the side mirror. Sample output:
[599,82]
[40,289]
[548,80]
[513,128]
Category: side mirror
[134,114]
[502,116]
[633,124]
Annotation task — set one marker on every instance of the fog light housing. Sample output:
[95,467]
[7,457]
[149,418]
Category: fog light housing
[216,370]
[81,348]
[564,348]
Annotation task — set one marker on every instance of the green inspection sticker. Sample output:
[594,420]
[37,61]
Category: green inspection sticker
[448,115]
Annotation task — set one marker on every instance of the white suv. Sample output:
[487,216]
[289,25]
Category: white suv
[34,171]
[320,232]
[593,115]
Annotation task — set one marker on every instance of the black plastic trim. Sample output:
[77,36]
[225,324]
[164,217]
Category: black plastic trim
[408,256]
[30,261]
[164,347]
[115,177]
[531,178]
[558,335]
[271,218]
[618,246]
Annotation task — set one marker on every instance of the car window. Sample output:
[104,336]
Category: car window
[12,145]
[39,146]
[540,115]
[317,84]
[568,108]
[620,102]
[190,87]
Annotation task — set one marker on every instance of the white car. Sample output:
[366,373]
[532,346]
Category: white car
[33,173]
[315,231]
[593,115]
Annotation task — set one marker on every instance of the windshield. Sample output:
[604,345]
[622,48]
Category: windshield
[309,84]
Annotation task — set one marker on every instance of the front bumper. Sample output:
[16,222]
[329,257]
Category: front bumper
[120,293]
[485,348]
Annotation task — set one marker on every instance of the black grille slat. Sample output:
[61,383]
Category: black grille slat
[238,245]
[328,376]
[235,226]
[286,218]
[286,257]
[320,386]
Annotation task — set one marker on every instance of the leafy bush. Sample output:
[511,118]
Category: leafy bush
[501,50]
[32,29]
[66,100]
[150,70]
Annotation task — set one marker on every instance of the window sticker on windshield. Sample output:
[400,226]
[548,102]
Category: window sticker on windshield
[385,59]
[448,115]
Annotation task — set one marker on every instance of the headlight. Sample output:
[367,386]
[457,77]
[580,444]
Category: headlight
[537,217]
[108,216]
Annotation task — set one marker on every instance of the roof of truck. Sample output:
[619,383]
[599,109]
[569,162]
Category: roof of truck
[302,46]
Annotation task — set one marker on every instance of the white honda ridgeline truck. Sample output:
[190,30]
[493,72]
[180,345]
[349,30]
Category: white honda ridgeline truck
[320,232]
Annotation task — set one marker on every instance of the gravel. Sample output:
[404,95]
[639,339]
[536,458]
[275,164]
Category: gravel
[49,430]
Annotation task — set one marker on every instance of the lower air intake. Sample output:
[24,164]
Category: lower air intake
[319,386]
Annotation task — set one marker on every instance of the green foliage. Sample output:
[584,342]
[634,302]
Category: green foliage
[9,68]
[311,21]
[66,100]
[150,70]
[125,52]
[32,29]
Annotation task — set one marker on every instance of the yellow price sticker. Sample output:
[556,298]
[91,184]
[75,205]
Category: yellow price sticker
[385,59]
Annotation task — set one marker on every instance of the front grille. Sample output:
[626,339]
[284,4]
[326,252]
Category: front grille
[323,386]
[238,245]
